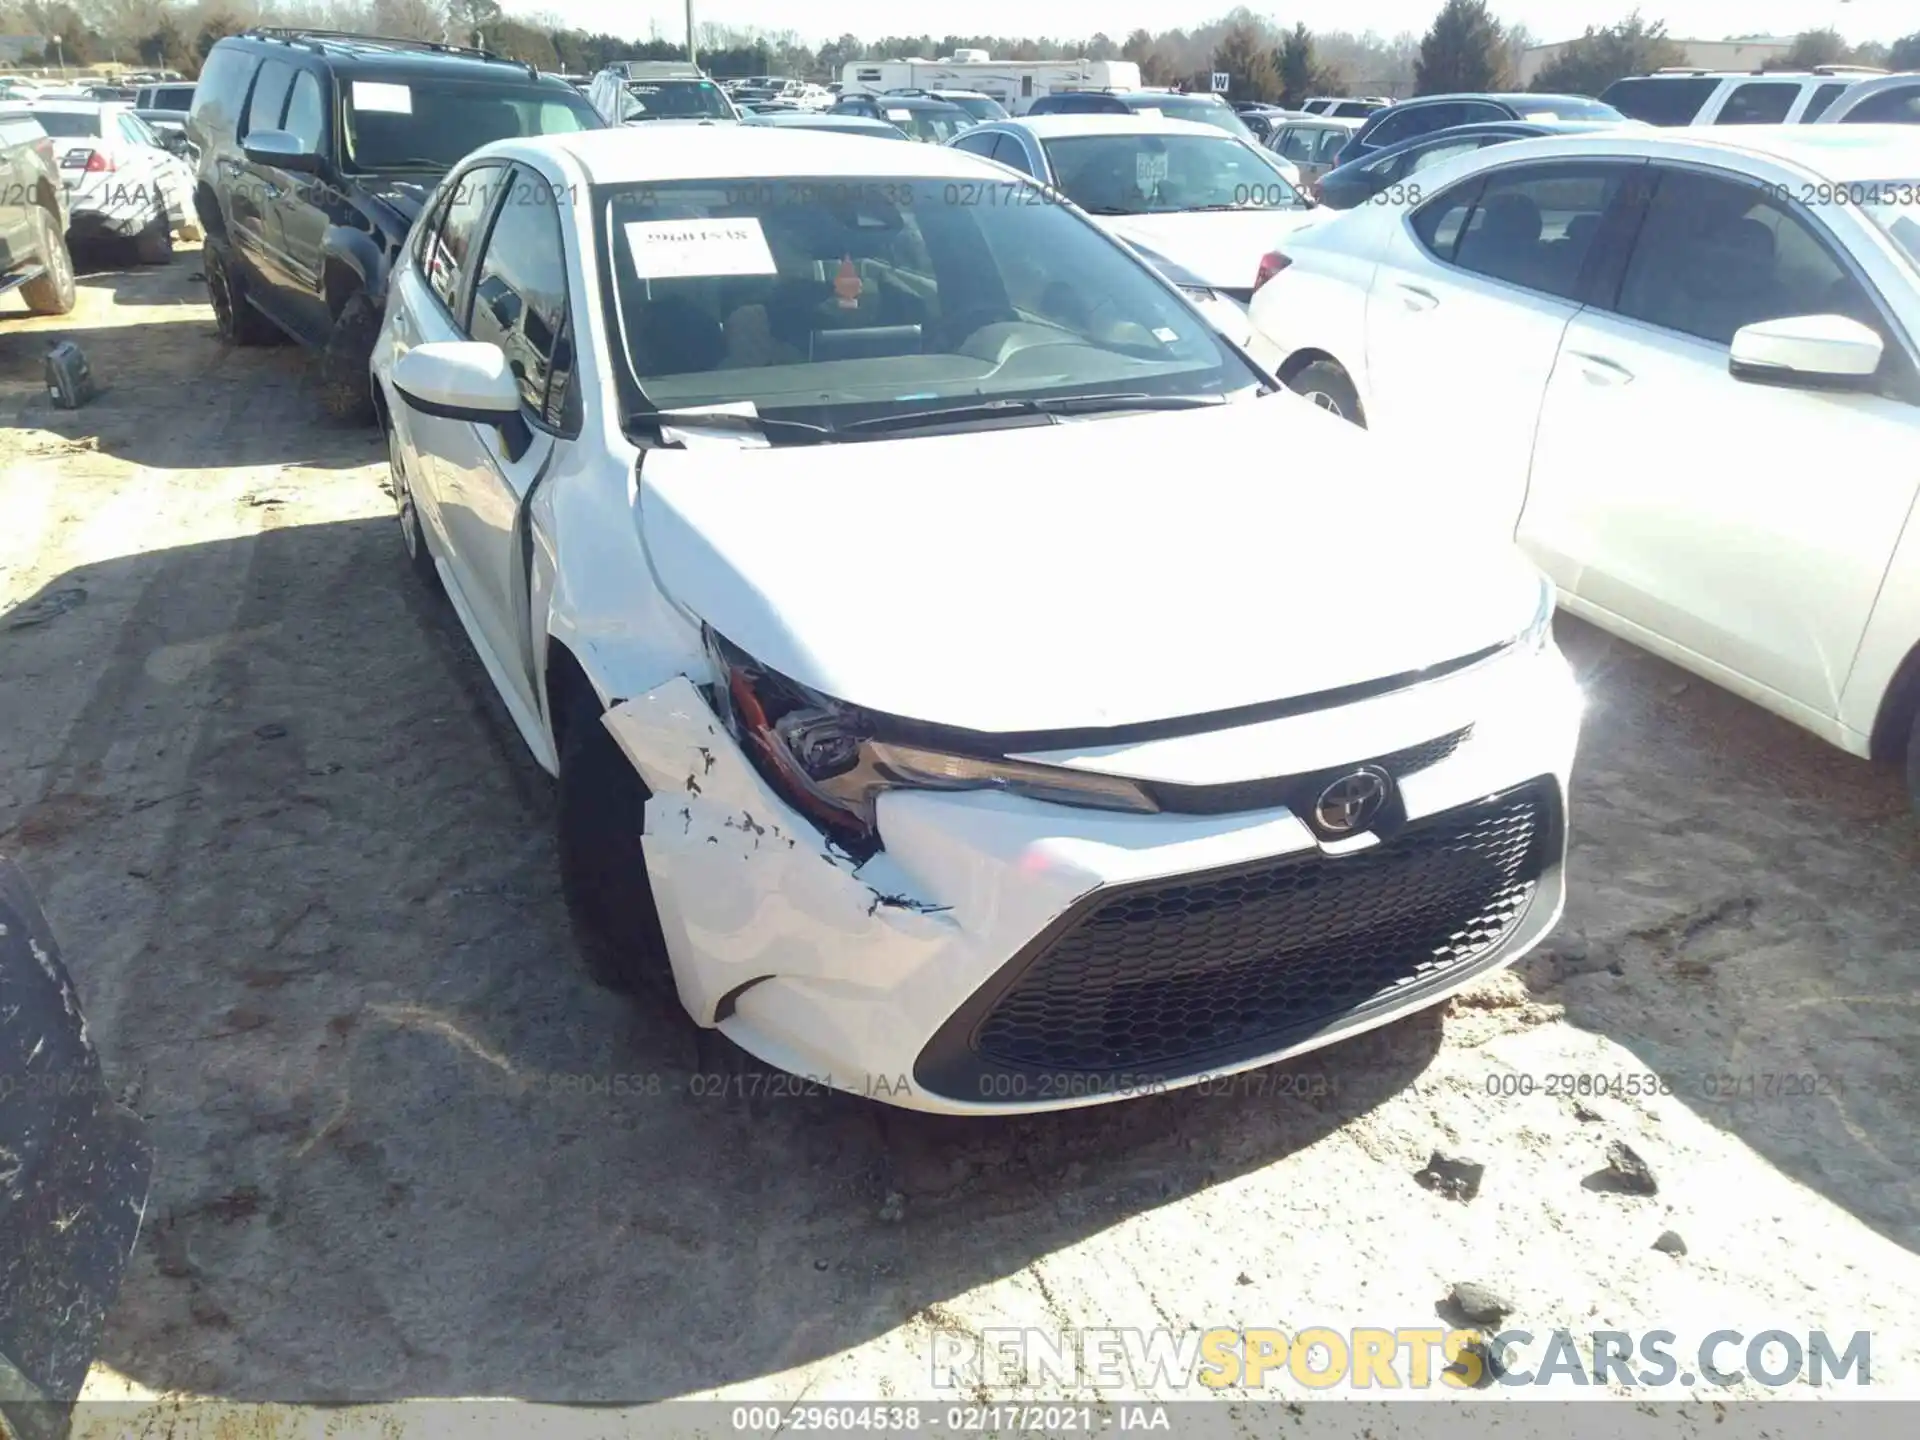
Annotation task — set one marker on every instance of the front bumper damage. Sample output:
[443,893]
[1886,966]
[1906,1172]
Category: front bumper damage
[880,978]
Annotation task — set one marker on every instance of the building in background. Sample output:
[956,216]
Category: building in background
[1747,53]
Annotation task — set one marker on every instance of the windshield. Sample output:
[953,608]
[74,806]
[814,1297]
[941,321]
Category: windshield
[1565,107]
[981,107]
[68,123]
[1195,108]
[935,125]
[1894,206]
[433,126]
[1157,174]
[675,100]
[833,300]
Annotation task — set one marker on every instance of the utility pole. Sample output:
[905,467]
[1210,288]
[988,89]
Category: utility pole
[693,57]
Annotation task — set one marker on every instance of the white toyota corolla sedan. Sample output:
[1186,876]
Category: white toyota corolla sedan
[969,681]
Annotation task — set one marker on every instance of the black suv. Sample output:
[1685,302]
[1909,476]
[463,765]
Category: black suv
[317,151]
[1427,113]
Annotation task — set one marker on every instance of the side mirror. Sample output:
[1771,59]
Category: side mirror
[1830,352]
[279,150]
[459,380]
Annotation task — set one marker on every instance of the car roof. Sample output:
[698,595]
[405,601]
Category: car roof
[913,102]
[76,107]
[1348,123]
[634,155]
[817,120]
[1057,127]
[1839,152]
[364,54]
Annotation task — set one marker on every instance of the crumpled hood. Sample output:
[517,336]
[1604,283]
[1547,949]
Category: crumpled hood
[1218,248]
[1089,574]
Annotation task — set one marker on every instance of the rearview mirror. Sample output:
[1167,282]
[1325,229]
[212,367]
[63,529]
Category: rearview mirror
[280,150]
[459,380]
[1815,351]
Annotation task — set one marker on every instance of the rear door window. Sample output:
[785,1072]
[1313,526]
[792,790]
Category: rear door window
[223,83]
[1896,105]
[269,97]
[1758,102]
[1822,98]
[450,248]
[1009,151]
[1533,225]
[1660,99]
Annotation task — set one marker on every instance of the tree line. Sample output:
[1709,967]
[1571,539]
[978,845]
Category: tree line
[1465,48]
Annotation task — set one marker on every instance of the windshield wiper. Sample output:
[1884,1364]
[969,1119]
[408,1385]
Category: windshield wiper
[799,431]
[1051,409]
[1109,210]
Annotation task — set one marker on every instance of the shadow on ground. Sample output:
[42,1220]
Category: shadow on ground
[172,393]
[1743,915]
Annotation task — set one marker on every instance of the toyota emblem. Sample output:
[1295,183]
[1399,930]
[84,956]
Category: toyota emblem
[1353,802]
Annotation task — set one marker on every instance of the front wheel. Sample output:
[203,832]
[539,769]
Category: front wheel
[601,808]
[346,383]
[1328,385]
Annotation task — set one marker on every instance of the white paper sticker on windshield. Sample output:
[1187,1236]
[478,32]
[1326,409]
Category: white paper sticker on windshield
[899,114]
[681,249]
[378,95]
[1166,336]
[1149,168]
[1540,115]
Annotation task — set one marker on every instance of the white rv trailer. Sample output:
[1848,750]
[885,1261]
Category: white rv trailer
[1012,82]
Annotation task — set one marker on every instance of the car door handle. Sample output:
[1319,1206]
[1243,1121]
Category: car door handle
[1599,370]
[1414,298]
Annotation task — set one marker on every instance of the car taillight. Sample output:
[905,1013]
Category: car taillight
[98,161]
[1271,264]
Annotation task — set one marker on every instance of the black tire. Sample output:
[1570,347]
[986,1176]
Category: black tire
[1913,762]
[601,812]
[239,322]
[55,291]
[419,558]
[154,245]
[1327,385]
[346,384]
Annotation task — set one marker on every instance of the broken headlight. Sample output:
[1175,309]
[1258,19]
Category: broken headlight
[832,760]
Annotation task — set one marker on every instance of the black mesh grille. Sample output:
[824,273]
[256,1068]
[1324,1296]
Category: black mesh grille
[1156,974]
[1296,791]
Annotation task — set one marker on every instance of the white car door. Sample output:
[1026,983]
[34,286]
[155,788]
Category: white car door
[513,293]
[1740,528]
[1466,310]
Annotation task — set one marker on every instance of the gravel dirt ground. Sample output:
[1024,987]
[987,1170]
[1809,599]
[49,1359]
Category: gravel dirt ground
[303,872]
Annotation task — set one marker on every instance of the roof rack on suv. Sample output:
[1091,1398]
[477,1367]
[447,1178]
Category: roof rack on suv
[317,39]
[1849,70]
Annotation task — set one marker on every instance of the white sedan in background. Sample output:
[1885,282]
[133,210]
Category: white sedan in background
[876,572]
[1681,367]
[1200,205]
[122,183]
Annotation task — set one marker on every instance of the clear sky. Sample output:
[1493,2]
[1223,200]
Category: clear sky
[1858,20]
